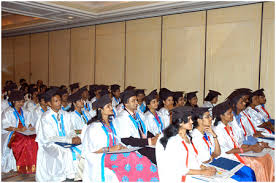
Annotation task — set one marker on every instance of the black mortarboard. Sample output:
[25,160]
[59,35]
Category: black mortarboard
[75,96]
[11,87]
[164,93]
[93,88]
[32,90]
[180,114]
[103,92]
[73,86]
[101,102]
[259,92]
[84,89]
[191,95]
[130,88]
[41,96]
[114,87]
[152,95]
[212,94]
[126,95]
[221,108]
[16,96]
[50,93]
[54,87]
[104,87]
[177,95]
[62,92]
[140,91]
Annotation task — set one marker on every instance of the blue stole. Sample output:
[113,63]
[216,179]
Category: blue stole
[160,128]
[83,115]
[65,108]
[206,138]
[17,116]
[103,156]
[88,108]
[142,107]
[117,101]
[114,113]
[10,104]
[138,122]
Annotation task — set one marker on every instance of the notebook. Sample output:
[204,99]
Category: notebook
[224,163]
[65,145]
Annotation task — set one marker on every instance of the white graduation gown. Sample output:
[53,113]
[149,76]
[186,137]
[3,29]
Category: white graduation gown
[4,104]
[89,109]
[31,105]
[8,119]
[165,116]
[204,151]
[120,108]
[78,122]
[139,109]
[36,115]
[151,123]
[171,161]
[125,127]
[93,140]
[237,130]
[55,163]
[265,115]
[115,102]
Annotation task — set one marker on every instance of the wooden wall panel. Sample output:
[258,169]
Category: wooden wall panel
[268,56]
[110,53]
[59,57]
[40,57]
[82,55]
[7,59]
[143,51]
[233,48]
[183,52]
[22,58]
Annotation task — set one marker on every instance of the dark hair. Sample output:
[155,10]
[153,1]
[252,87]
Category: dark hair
[22,80]
[98,117]
[220,109]
[195,117]
[72,108]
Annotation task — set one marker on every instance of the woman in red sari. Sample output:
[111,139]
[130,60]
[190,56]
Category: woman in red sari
[16,120]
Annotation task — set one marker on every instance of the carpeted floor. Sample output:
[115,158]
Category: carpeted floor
[16,177]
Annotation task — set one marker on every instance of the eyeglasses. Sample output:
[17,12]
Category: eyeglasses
[208,116]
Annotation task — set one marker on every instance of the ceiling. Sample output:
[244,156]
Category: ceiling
[23,17]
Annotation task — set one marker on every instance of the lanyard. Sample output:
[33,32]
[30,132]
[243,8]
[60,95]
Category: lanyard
[62,132]
[250,122]
[157,122]
[137,124]
[65,108]
[21,117]
[142,107]
[265,112]
[87,108]
[207,140]
[10,104]
[85,117]
[114,113]
[106,132]
[117,101]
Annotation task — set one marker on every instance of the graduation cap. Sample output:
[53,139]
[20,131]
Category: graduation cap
[50,93]
[221,108]
[100,103]
[84,89]
[164,93]
[130,88]
[114,87]
[54,87]
[103,92]
[212,94]
[177,95]
[75,96]
[62,92]
[140,91]
[32,90]
[104,87]
[126,95]
[41,96]
[16,96]
[259,92]
[11,87]
[93,88]
[191,95]
[74,86]
[180,114]
[152,95]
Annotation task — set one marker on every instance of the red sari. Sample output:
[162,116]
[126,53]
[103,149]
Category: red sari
[25,151]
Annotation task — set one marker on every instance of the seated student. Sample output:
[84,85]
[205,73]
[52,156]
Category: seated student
[211,99]
[261,107]
[33,103]
[65,105]
[178,98]
[167,104]
[131,128]
[152,116]
[56,162]
[203,136]
[175,153]
[115,91]
[16,146]
[5,101]
[87,104]
[43,88]
[100,138]
[79,117]
[231,145]
[140,94]
[255,118]
[192,99]
[74,88]
[22,81]
[95,89]
[39,110]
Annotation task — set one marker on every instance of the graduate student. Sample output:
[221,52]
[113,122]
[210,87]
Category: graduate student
[56,162]
[192,99]
[203,136]
[39,110]
[175,153]
[33,103]
[74,87]
[18,151]
[131,128]
[115,91]
[129,166]
[211,99]
[140,94]
[65,104]
[231,145]
[152,116]
[5,101]
[166,97]
[178,98]
[87,105]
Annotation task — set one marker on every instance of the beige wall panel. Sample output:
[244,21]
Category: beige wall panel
[268,56]
[22,57]
[110,53]
[59,57]
[143,40]
[233,48]
[7,59]
[183,52]
[82,55]
[39,57]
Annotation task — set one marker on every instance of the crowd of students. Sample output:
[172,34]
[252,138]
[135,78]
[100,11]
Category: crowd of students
[101,133]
